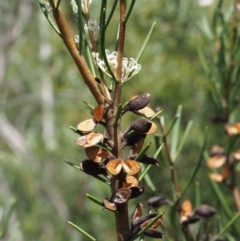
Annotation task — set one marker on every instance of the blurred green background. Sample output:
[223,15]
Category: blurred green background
[41,93]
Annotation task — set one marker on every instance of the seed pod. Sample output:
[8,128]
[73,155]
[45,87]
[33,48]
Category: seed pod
[158,201]
[138,103]
[121,196]
[145,112]
[96,154]
[137,213]
[216,161]
[91,168]
[87,125]
[217,150]
[141,126]
[144,218]
[185,220]
[131,181]
[204,211]
[136,191]
[153,233]
[90,139]
[133,138]
[98,112]
[109,205]
[131,167]
[146,159]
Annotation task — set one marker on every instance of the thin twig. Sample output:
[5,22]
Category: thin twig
[79,60]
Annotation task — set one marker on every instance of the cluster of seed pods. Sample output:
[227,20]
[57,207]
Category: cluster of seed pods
[102,162]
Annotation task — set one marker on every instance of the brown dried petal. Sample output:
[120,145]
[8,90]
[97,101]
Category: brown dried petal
[153,233]
[216,161]
[90,139]
[204,211]
[96,154]
[121,196]
[87,125]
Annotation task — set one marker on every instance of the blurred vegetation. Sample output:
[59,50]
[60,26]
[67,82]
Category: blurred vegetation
[41,93]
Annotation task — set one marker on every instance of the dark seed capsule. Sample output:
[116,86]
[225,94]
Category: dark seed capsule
[153,233]
[121,196]
[158,201]
[141,126]
[144,218]
[146,159]
[92,168]
[138,103]
[190,220]
[204,211]
[136,191]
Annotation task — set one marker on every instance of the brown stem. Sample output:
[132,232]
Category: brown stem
[171,163]
[79,60]
[121,218]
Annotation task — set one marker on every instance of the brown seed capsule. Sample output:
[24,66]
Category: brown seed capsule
[87,125]
[185,220]
[131,181]
[216,161]
[153,233]
[137,213]
[121,196]
[141,126]
[204,211]
[138,103]
[217,150]
[144,218]
[131,167]
[90,139]
[146,159]
[216,177]
[145,112]
[96,154]
[136,191]
[91,168]
[158,201]
[109,205]
[98,112]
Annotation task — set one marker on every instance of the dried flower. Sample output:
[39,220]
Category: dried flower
[129,66]
[74,6]
[85,5]
[92,31]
